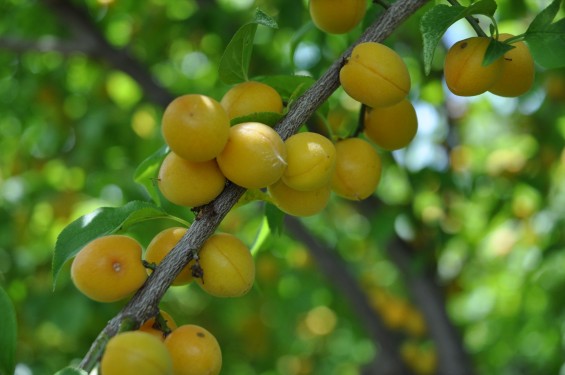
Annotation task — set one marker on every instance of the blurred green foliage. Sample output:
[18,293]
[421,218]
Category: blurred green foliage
[480,192]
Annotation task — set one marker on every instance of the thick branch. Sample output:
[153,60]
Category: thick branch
[453,359]
[389,361]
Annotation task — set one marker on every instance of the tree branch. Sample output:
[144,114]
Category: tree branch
[453,359]
[144,304]
[388,361]
[87,34]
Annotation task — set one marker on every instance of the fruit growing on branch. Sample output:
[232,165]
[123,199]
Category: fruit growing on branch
[299,203]
[311,161]
[358,169]
[136,353]
[517,72]
[190,183]
[194,351]
[375,75]
[195,127]
[391,127]
[465,73]
[337,16]
[161,245]
[251,97]
[227,265]
[109,268]
[254,156]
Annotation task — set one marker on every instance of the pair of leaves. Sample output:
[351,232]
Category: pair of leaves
[545,38]
[104,221]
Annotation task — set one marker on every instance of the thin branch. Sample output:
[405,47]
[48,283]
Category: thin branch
[472,20]
[86,33]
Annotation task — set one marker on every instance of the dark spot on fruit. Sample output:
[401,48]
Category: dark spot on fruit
[463,45]
[200,334]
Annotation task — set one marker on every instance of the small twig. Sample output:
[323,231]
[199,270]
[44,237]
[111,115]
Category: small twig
[472,20]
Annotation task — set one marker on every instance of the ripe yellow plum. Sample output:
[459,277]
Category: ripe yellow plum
[251,97]
[465,74]
[391,127]
[311,161]
[337,16]
[229,270]
[358,169]
[194,351]
[375,75]
[299,203]
[254,157]
[109,268]
[189,183]
[518,71]
[161,245]
[136,353]
[195,127]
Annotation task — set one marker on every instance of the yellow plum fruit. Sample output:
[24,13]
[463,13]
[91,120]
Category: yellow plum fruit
[391,127]
[109,268]
[195,127]
[251,97]
[518,71]
[375,75]
[337,16]
[254,157]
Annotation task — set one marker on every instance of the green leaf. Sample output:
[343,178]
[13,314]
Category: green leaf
[147,171]
[267,118]
[234,64]
[71,371]
[544,18]
[104,221]
[495,50]
[262,235]
[546,39]
[275,218]
[264,19]
[8,334]
[286,85]
[438,19]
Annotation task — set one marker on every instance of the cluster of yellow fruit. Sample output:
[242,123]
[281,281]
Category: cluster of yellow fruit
[186,350]
[110,268]
[376,76]
[510,76]
[299,173]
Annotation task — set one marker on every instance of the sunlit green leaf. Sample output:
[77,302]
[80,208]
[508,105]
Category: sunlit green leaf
[104,221]
[546,39]
[146,172]
[544,18]
[437,20]
[264,19]
[262,236]
[8,334]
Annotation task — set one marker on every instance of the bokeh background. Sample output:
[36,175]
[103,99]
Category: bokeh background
[458,258]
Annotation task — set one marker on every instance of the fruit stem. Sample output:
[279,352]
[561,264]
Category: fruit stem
[472,20]
[360,121]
